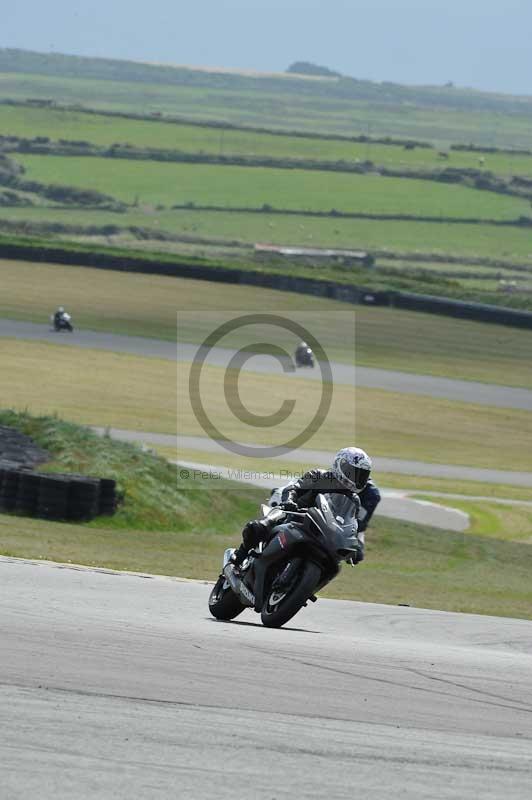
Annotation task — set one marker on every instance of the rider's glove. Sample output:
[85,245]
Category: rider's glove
[289,505]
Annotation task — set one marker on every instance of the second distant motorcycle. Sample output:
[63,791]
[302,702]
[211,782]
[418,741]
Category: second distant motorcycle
[304,357]
[61,321]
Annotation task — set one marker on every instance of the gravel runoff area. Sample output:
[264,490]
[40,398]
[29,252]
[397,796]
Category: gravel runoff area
[391,380]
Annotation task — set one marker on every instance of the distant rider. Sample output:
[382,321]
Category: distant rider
[349,476]
[58,316]
[302,352]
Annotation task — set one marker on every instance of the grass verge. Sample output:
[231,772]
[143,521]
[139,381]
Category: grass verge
[406,563]
[451,487]
[90,387]
[94,387]
[382,422]
[509,523]
[426,568]
[147,305]
[156,496]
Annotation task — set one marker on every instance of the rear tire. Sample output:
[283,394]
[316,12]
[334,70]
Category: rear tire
[223,602]
[274,615]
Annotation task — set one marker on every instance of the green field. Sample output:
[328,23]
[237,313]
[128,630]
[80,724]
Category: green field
[439,115]
[459,270]
[486,241]
[147,306]
[154,183]
[151,188]
[105,131]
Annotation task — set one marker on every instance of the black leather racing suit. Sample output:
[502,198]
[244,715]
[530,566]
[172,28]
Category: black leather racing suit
[314,482]
[317,481]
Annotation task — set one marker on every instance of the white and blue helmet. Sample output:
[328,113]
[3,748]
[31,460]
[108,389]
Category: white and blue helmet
[352,467]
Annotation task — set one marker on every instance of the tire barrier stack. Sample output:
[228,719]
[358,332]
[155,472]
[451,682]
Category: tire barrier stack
[18,449]
[75,498]
[9,488]
[27,493]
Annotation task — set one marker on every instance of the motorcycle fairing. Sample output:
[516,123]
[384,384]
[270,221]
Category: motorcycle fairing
[287,537]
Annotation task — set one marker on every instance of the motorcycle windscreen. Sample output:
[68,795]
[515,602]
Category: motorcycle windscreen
[343,509]
[342,506]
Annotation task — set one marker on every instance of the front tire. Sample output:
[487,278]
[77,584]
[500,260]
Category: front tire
[223,602]
[275,612]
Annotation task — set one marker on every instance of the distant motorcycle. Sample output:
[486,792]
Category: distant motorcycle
[304,357]
[303,555]
[62,323]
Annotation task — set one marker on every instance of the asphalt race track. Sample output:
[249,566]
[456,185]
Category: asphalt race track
[116,685]
[302,456]
[390,380]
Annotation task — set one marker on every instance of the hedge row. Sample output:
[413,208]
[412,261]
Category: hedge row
[482,180]
[62,194]
[157,116]
[77,498]
[266,208]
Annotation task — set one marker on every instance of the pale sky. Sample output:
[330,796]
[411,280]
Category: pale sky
[478,43]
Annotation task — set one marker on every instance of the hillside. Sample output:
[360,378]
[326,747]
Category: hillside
[342,104]
[194,163]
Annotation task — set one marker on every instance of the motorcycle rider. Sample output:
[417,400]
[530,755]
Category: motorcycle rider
[302,352]
[58,317]
[349,475]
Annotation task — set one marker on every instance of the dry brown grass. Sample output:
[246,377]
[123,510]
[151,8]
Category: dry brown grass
[118,390]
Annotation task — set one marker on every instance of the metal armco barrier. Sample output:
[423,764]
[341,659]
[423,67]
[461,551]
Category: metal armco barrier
[465,310]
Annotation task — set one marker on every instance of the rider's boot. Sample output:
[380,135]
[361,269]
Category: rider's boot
[255,531]
[239,555]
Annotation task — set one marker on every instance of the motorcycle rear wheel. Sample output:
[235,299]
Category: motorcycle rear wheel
[275,612]
[223,602]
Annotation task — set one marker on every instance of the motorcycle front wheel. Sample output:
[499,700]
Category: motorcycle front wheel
[279,607]
[223,602]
